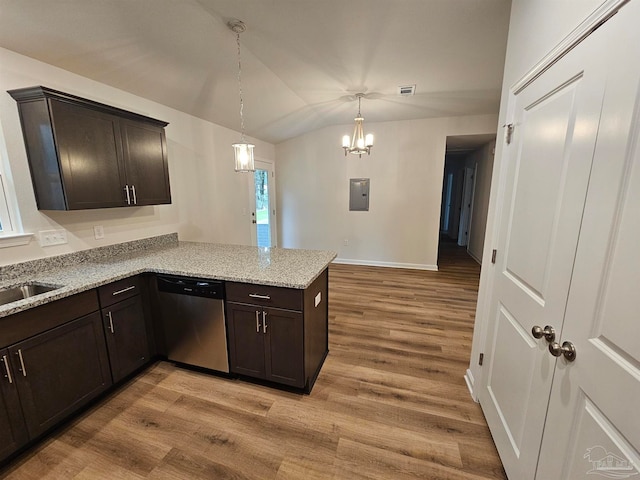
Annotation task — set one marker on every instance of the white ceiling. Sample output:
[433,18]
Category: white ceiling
[302,59]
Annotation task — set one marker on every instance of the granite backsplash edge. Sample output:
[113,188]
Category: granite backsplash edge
[16,270]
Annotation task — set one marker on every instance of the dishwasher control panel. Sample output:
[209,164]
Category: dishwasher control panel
[191,286]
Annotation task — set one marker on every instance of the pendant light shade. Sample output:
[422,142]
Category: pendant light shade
[243,150]
[359,143]
[244,157]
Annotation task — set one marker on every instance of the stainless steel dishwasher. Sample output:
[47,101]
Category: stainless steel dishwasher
[193,321]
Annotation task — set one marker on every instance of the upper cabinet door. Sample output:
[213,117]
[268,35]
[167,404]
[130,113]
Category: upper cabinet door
[89,152]
[147,170]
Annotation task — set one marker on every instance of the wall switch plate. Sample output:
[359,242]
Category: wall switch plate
[52,237]
[98,232]
[346,242]
[318,299]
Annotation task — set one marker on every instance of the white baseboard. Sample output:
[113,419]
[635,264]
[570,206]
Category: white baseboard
[468,378]
[375,263]
[474,257]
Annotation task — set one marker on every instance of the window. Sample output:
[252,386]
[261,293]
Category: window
[5,219]
[10,229]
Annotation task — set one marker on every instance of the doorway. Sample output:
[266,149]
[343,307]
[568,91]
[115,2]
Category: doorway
[262,196]
[465,194]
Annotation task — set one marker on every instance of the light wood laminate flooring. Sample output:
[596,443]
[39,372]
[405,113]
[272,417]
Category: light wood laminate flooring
[390,402]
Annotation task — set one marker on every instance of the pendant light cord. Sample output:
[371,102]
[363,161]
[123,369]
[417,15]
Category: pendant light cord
[242,139]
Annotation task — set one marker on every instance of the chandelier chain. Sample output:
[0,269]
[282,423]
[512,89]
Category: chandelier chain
[242,138]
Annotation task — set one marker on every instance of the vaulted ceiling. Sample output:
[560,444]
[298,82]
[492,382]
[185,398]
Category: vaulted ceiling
[303,60]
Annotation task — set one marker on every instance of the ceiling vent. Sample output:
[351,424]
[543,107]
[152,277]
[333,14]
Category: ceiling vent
[407,90]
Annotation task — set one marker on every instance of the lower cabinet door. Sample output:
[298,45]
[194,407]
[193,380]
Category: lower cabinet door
[59,371]
[285,351]
[246,340]
[126,334]
[13,431]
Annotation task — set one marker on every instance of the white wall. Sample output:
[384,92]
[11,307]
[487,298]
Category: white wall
[405,167]
[535,28]
[483,158]
[210,200]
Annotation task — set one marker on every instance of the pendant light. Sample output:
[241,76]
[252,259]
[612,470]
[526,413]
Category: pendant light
[359,143]
[243,150]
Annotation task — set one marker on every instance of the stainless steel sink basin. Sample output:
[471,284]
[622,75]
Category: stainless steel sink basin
[20,292]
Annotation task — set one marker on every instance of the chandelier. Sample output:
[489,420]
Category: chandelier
[243,150]
[359,143]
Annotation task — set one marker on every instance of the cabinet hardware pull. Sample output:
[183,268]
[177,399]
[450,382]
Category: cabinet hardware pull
[133,190]
[257,321]
[126,189]
[6,367]
[263,297]
[110,322]
[118,292]
[24,370]
[264,322]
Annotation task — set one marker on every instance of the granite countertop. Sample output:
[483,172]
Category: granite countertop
[279,267]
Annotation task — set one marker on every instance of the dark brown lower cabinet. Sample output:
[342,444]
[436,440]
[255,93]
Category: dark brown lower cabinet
[13,431]
[126,333]
[266,343]
[59,371]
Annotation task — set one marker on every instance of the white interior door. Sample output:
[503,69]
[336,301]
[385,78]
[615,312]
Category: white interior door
[547,172]
[593,423]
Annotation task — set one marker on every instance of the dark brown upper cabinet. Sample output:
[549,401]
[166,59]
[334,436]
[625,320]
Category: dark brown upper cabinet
[84,154]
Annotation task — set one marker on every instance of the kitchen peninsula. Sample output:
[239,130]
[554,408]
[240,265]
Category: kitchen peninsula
[99,323]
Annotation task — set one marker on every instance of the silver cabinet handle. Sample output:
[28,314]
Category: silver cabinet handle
[126,189]
[257,321]
[23,370]
[264,322]
[110,322]
[6,367]
[133,190]
[118,292]
[263,297]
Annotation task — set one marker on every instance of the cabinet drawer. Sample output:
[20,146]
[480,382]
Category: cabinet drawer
[279,297]
[120,290]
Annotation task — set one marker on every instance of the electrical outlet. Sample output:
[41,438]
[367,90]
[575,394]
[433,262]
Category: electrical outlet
[98,232]
[346,242]
[52,237]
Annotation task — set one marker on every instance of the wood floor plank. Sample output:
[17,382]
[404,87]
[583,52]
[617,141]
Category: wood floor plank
[389,403]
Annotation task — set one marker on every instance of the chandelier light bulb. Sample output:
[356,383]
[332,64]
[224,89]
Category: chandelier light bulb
[346,141]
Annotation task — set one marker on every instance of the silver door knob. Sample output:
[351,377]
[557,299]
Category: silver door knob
[548,332]
[567,349]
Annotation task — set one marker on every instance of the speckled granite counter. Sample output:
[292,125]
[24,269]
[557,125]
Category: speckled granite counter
[267,266]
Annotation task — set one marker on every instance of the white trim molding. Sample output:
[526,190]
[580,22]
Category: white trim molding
[15,240]
[376,263]
[603,13]
[468,378]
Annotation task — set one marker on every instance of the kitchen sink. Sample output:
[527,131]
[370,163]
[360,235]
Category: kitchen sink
[26,290]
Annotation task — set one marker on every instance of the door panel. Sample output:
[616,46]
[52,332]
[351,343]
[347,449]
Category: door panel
[547,172]
[593,404]
[147,170]
[285,355]
[246,340]
[13,431]
[88,145]
[64,369]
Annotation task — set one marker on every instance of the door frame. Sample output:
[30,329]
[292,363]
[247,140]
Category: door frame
[269,166]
